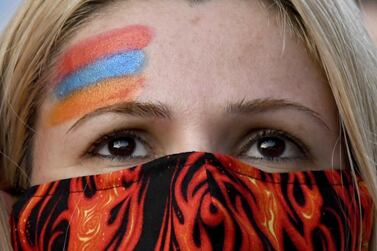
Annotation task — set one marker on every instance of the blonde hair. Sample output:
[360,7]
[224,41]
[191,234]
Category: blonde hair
[332,31]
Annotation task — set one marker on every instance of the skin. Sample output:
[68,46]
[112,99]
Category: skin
[203,60]
[370,10]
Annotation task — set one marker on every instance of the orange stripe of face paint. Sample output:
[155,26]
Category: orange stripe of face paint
[124,39]
[106,93]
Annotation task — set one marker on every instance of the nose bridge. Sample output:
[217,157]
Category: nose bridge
[193,136]
[193,141]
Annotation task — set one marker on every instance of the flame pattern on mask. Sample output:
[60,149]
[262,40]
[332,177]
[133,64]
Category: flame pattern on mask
[195,201]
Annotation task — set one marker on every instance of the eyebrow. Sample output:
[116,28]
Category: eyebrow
[270,104]
[136,109]
[161,111]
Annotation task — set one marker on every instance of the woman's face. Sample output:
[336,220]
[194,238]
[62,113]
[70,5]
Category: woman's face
[149,78]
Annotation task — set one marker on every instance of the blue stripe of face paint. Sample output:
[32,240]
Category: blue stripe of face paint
[117,65]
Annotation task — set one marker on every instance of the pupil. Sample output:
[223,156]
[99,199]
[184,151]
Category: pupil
[122,146]
[271,147]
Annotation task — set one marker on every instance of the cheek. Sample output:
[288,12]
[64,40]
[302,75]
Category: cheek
[49,149]
[6,200]
[54,157]
[45,154]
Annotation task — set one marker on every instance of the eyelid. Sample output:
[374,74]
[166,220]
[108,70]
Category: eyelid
[265,132]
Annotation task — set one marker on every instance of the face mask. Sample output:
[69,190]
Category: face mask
[195,201]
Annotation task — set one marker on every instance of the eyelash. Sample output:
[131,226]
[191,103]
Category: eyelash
[105,138]
[263,133]
[253,138]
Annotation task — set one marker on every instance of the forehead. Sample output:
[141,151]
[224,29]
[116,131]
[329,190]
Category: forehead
[217,50]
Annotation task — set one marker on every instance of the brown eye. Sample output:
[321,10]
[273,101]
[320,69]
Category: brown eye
[121,147]
[272,145]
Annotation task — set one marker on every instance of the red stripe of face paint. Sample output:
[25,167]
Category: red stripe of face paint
[85,52]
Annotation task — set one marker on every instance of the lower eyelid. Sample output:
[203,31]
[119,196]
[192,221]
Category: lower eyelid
[286,165]
[129,161]
[276,159]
